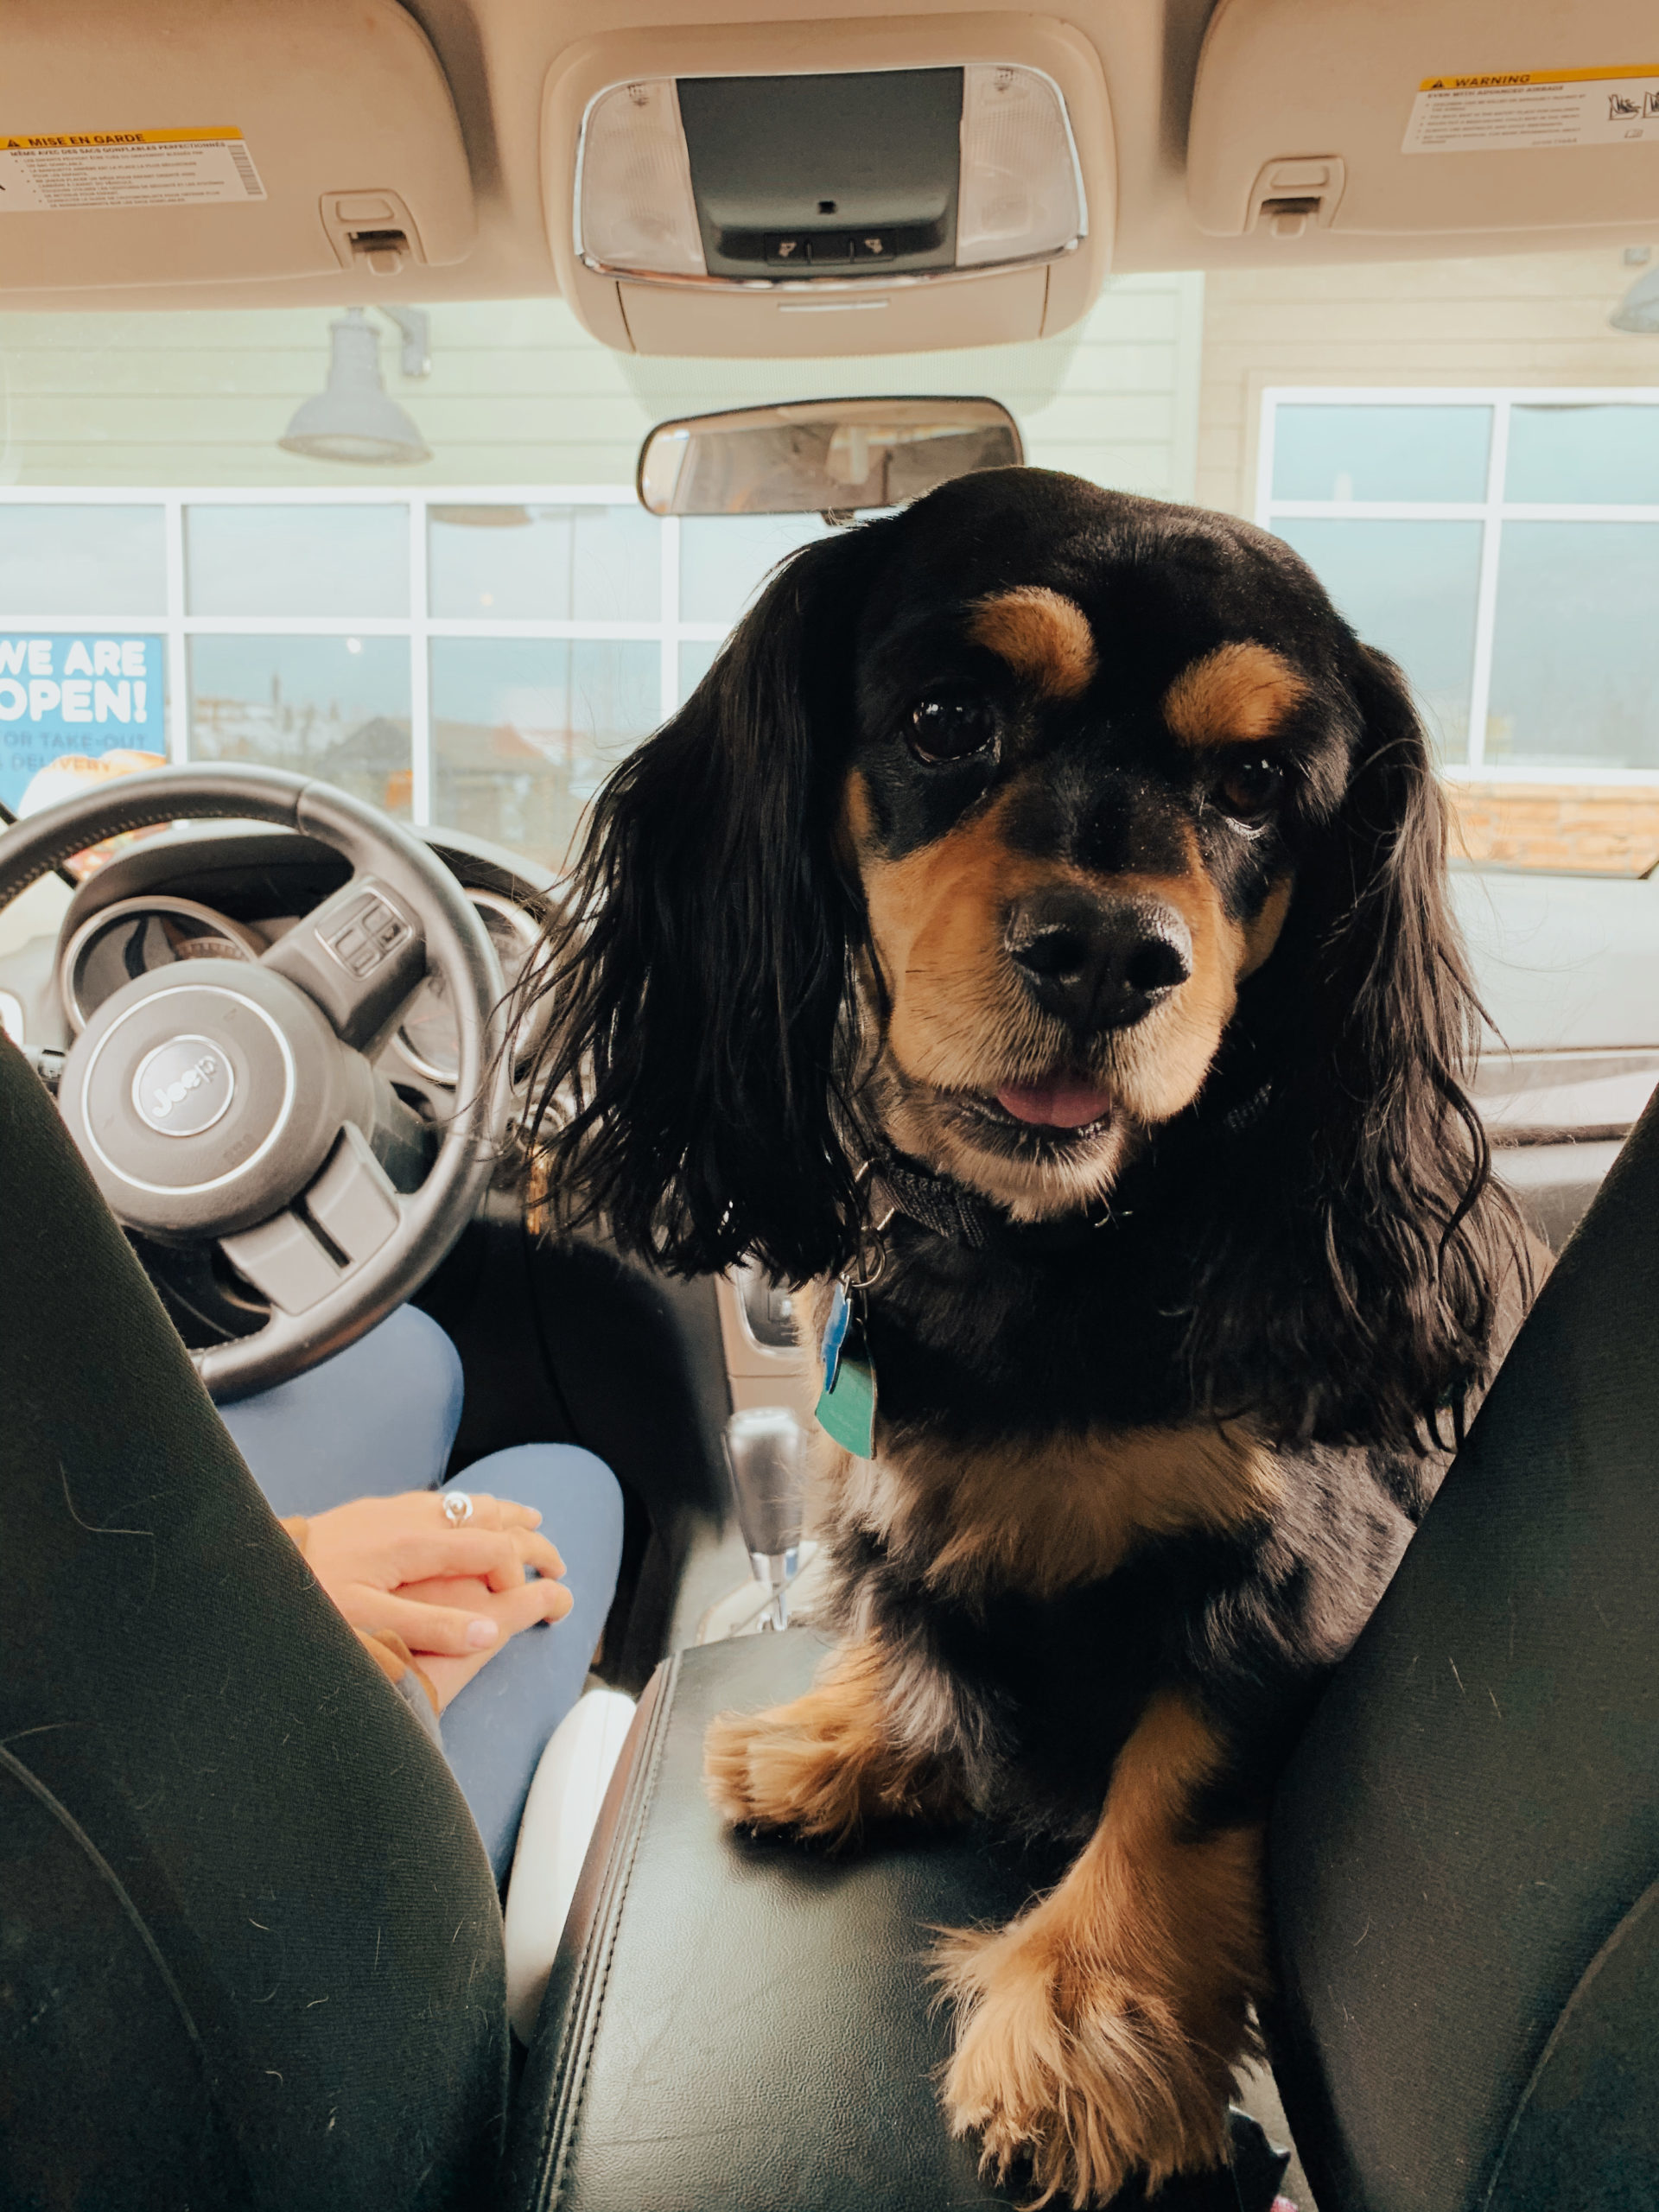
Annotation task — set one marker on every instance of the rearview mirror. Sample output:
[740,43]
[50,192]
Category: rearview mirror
[821,456]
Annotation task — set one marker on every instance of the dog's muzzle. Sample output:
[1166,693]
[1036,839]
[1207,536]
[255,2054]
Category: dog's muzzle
[1094,963]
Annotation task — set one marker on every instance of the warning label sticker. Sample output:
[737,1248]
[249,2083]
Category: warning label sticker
[1522,108]
[42,174]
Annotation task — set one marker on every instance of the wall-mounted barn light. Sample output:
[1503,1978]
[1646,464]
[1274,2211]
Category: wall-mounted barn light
[353,418]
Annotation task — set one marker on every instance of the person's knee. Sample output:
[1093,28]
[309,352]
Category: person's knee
[378,1418]
[578,1497]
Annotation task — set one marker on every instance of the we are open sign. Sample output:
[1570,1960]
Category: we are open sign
[69,704]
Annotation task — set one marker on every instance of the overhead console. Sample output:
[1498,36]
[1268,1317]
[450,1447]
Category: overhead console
[180,143]
[1415,119]
[774,188]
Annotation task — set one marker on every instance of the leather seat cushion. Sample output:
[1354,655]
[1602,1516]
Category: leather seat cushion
[735,2025]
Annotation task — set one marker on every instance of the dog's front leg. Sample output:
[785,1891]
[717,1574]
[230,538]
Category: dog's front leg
[1098,2033]
[829,1764]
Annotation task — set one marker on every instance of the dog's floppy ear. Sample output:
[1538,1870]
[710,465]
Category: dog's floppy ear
[1370,1279]
[696,979]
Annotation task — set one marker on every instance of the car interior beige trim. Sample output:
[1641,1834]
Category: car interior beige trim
[349,149]
[1311,110]
[826,317]
[463,131]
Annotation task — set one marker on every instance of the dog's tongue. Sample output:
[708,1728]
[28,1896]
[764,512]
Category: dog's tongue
[1060,1104]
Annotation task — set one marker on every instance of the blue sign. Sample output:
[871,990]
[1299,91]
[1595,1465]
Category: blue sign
[74,707]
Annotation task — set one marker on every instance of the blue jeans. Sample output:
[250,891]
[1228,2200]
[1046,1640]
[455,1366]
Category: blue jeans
[381,1417]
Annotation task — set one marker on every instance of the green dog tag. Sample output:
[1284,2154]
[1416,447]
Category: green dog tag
[847,1411]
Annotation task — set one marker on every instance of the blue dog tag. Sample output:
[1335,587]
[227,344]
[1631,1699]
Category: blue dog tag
[835,1334]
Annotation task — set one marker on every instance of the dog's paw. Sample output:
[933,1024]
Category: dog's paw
[790,1768]
[825,1767]
[1064,2069]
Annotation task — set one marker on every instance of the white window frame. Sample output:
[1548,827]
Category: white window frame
[1491,513]
[177,625]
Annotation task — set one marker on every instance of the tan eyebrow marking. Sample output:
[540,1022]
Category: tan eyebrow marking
[1237,695]
[1042,635]
[1263,934]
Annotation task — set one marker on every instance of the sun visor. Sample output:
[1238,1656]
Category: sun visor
[1414,117]
[864,186]
[185,141]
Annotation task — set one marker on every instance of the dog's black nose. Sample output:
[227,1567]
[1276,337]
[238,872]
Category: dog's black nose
[1099,963]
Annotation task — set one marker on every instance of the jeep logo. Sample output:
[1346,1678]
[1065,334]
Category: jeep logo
[183,1087]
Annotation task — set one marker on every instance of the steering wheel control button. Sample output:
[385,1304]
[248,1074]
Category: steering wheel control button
[359,956]
[367,933]
[204,1096]
[184,1086]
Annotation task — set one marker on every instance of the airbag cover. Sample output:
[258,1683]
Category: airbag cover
[203,1099]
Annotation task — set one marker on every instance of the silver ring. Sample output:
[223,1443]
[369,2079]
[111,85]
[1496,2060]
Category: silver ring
[457,1508]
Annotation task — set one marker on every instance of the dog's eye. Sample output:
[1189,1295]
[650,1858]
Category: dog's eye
[1250,788]
[950,726]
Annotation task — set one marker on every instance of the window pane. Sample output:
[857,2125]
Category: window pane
[1575,680]
[724,559]
[545,564]
[1381,453]
[1409,588]
[526,730]
[86,561]
[301,560]
[1600,456]
[696,659]
[336,707]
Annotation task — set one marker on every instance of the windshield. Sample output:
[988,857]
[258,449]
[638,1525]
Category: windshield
[473,626]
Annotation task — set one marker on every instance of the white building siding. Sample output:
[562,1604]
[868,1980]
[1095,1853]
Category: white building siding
[518,394]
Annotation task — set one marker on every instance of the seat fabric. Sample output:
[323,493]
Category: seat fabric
[1474,1809]
[250,1948]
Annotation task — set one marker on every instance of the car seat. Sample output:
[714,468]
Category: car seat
[1464,1851]
[252,1951]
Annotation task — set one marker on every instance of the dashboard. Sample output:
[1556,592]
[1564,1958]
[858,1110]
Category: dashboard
[136,935]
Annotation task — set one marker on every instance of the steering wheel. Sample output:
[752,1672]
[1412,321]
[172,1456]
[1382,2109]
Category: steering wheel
[231,1102]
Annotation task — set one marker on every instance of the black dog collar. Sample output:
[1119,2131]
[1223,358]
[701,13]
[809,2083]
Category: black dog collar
[948,1209]
[935,1203]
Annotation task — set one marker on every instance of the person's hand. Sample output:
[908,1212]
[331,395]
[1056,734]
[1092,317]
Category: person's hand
[512,1610]
[456,1595]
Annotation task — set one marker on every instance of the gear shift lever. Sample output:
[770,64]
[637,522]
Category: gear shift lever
[766,1450]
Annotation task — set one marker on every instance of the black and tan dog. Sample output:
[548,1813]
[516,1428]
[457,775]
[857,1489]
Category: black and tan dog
[1055,872]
